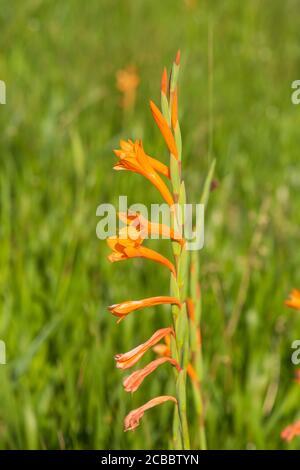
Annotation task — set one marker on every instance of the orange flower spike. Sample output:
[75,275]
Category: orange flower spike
[123,249]
[121,310]
[133,158]
[291,431]
[294,299]
[132,420]
[133,381]
[127,360]
[177,58]
[164,129]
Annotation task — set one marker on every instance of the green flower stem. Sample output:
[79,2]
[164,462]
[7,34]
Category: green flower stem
[196,347]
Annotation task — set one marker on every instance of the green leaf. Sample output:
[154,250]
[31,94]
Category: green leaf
[207,183]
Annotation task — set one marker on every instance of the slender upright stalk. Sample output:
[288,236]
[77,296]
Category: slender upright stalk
[180,346]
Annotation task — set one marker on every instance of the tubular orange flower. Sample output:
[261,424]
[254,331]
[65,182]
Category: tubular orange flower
[133,158]
[122,309]
[164,129]
[133,381]
[291,431]
[124,248]
[127,360]
[147,228]
[294,299]
[132,420]
[297,376]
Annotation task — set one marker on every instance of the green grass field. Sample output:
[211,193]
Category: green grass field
[60,387]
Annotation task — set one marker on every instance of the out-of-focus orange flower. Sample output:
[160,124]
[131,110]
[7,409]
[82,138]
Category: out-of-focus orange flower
[125,248]
[164,129]
[149,229]
[190,309]
[294,299]
[191,312]
[133,158]
[122,309]
[291,431]
[133,381]
[297,376]
[127,360]
[127,83]
[192,373]
[132,420]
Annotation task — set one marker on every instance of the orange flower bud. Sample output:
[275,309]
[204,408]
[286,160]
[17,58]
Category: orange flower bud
[164,129]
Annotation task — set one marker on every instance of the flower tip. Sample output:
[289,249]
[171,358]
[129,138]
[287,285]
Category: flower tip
[177,58]
[152,105]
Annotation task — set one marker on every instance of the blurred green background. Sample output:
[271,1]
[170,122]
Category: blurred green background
[60,387]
